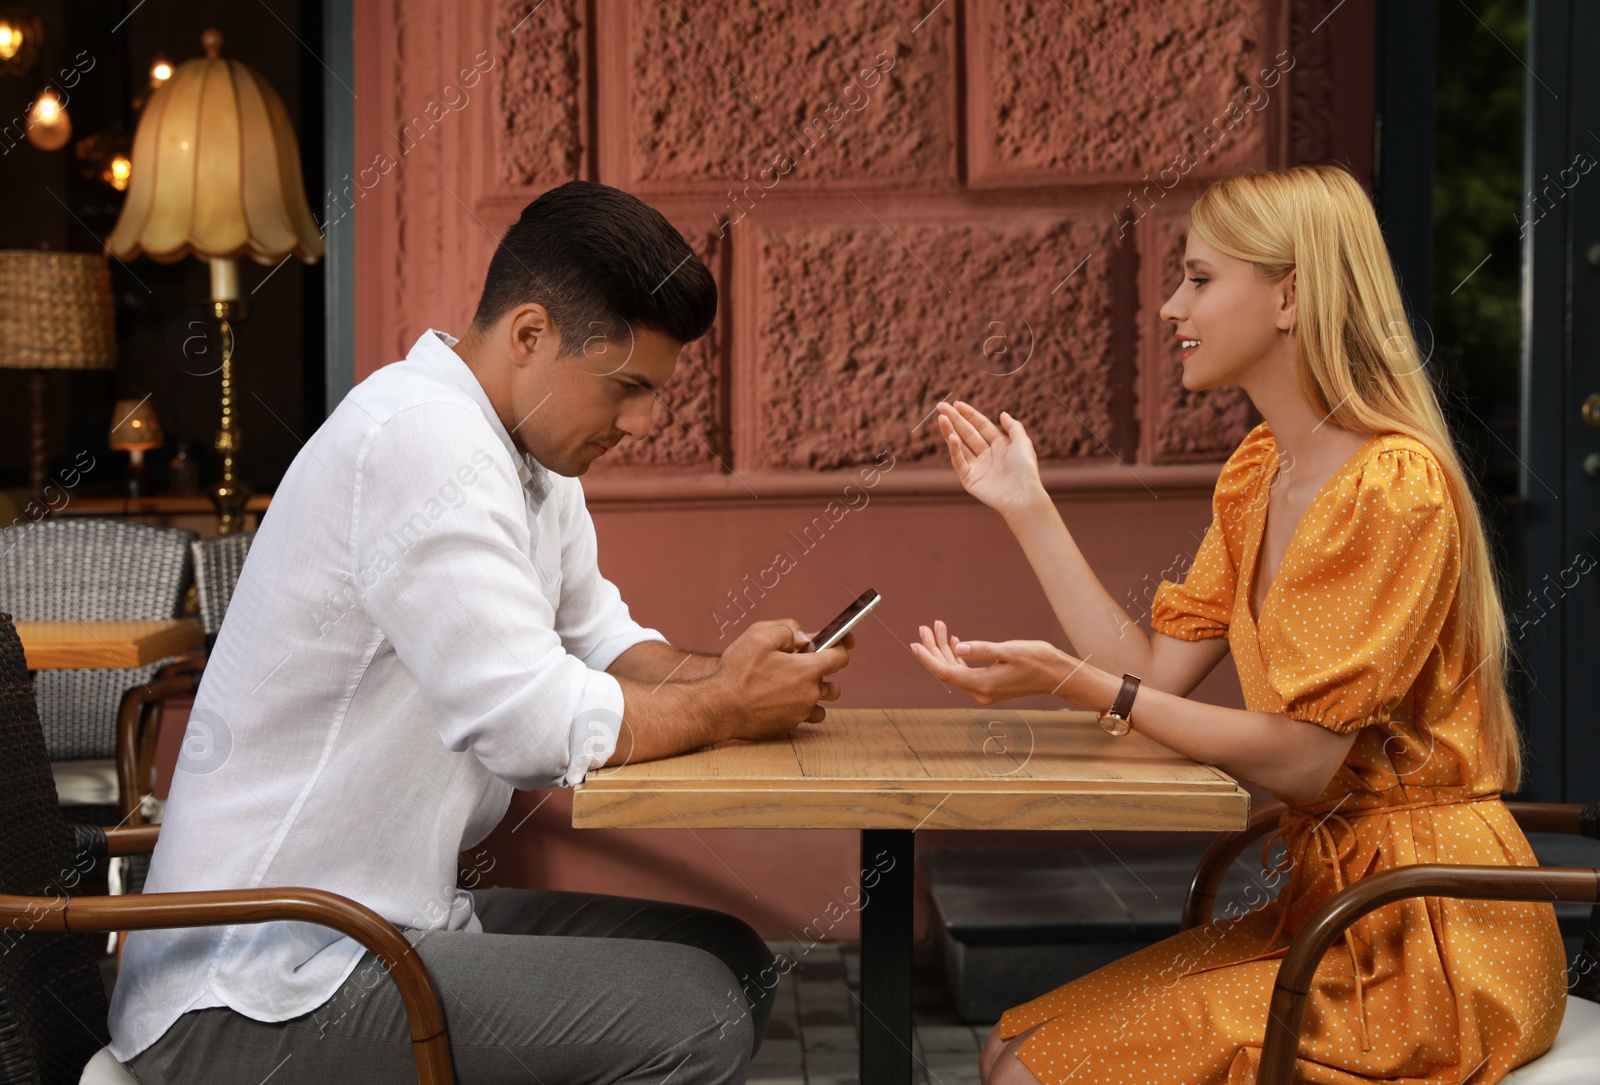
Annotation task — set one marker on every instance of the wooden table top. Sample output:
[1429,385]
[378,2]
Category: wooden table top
[75,644]
[979,768]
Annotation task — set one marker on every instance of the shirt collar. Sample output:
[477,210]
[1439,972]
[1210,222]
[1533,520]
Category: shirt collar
[432,351]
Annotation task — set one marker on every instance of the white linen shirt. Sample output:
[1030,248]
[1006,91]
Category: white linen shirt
[421,626]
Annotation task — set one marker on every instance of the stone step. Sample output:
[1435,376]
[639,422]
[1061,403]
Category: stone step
[1014,925]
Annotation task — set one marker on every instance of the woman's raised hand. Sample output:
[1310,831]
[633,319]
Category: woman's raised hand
[996,464]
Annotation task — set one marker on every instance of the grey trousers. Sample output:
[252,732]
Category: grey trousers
[560,989]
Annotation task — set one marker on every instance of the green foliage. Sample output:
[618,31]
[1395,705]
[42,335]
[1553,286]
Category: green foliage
[1478,201]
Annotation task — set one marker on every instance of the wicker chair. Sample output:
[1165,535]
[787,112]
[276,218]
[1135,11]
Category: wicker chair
[1574,1059]
[96,569]
[217,563]
[52,1002]
[218,560]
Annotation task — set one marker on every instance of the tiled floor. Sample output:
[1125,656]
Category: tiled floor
[812,1036]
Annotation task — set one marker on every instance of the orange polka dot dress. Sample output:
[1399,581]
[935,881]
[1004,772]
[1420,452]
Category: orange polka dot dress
[1357,632]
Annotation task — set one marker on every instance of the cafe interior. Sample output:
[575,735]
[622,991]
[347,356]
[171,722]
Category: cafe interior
[215,221]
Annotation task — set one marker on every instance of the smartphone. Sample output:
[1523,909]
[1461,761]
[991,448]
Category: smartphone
[834,631]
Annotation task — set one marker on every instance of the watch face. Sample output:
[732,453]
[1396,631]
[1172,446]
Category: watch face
[1113,725]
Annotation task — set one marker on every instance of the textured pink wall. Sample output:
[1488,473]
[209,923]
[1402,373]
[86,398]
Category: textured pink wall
[985,200]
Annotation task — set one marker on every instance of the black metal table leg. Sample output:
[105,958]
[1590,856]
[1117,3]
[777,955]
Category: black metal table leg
[888,858]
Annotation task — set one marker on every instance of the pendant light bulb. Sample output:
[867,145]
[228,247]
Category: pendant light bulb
[49,127]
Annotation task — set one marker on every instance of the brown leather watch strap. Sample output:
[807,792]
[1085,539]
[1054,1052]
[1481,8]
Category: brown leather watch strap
[1114,720]
[1124,702]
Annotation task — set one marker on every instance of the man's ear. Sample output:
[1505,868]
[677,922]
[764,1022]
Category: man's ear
[531,333]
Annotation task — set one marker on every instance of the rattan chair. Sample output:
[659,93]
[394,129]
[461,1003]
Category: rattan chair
[1574,1059]
[96,569]
[218,561]
[52,1002]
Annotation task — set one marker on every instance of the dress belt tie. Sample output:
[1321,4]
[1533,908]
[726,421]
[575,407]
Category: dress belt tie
[1300,834]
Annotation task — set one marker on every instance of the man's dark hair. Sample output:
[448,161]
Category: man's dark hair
[601,261]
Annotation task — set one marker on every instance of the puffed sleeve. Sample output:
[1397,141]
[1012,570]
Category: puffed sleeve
[1367,595]
[1199,606]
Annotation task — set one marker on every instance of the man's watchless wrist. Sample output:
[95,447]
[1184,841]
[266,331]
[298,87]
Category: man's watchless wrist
[715,704]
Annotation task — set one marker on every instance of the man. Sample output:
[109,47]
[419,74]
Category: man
[420,628]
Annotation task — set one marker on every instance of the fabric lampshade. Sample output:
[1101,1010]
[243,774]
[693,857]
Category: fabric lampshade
[216,170]
[134,425]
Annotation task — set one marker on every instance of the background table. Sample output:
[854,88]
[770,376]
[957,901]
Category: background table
[193,512]
[889,772]
[75,644]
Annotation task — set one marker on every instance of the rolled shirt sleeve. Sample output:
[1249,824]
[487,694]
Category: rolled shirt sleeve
[445,562]
[594,624]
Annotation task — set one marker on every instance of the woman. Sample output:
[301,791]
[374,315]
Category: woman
[1346,568]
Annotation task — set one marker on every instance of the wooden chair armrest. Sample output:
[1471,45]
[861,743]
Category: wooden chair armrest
[1288,1011]
[188,663]
[1556,817]
[134,734]
[1214,864]
[430,1044]
[110,841]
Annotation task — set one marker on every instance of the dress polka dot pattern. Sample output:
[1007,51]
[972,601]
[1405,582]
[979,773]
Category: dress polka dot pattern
[1357,632]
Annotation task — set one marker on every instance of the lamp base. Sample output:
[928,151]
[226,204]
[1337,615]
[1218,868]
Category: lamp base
[136,486]
[228,495]
[229,499]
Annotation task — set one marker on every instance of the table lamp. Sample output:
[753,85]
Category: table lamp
[135,430]
[55,313]
[216,174]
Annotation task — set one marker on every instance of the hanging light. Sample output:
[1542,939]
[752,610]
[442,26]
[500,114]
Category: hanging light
[161,70]
[105,157]
[11,39]
[21,34]
[49,127]
[118,172]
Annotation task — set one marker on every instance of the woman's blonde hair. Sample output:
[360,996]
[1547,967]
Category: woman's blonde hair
[1358,361]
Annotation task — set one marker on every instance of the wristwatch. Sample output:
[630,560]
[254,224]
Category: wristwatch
[1114,720]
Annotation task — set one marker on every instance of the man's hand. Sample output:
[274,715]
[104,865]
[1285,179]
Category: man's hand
[765,685]
[771,684]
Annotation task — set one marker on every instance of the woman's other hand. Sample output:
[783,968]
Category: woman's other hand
[996,464]
[1016,668]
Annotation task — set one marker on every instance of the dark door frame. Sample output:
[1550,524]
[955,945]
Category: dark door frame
[338,156]
[1560,501]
